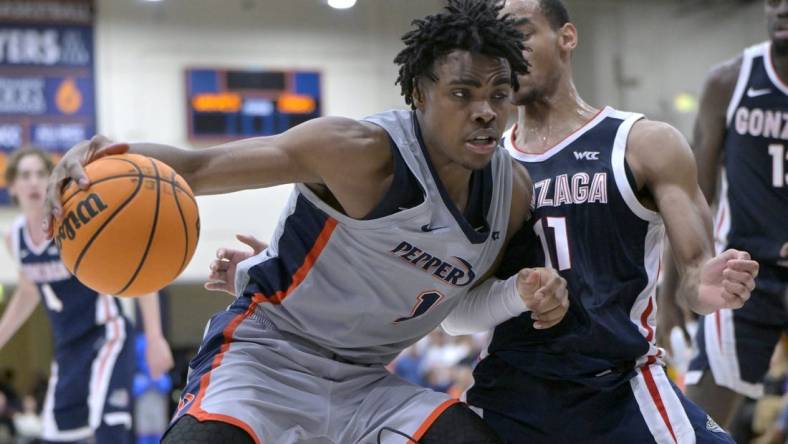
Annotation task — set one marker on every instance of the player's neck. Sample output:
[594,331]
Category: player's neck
[543,123]
[34,226]
[454,176]
[780,62]
[455,179]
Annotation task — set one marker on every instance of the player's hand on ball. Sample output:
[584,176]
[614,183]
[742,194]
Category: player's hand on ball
[70,167]
[544,292]
[727,280]
[222,276]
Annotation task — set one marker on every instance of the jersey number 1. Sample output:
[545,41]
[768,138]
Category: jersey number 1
[557,246]
[51,299]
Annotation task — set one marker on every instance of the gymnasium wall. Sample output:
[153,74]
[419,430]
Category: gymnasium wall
[641,54]
[634,54]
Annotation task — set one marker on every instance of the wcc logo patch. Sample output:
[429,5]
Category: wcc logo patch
[587,155]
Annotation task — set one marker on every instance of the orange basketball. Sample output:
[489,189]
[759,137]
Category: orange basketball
[133,231]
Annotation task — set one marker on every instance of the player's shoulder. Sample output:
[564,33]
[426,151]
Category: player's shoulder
[647,133]
[17,224]
[351,132]
[654,146]
[340,139]
[522,190]
[722,77]
[521,180]
[13,230]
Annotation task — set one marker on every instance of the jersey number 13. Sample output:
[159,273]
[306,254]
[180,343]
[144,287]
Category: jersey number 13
[779,156]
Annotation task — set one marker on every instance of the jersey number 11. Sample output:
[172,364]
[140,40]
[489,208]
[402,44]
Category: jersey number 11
[557,246]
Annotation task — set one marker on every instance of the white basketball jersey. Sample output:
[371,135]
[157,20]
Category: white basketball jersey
[366,289]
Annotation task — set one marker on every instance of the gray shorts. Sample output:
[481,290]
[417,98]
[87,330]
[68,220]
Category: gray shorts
[284,390]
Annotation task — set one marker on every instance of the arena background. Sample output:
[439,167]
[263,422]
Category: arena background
[643,55]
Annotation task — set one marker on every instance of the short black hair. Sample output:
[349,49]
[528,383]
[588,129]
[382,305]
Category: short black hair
[555,11]
[471,25]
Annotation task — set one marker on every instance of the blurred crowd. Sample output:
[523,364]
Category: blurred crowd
[441,362]
[20,415]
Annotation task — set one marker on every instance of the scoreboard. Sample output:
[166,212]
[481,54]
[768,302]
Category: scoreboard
[234,103]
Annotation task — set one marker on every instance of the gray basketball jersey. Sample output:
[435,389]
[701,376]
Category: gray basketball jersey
[366,289]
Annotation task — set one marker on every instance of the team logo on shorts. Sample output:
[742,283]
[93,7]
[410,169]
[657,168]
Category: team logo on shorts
[713,426]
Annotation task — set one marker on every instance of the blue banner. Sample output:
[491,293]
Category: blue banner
[47,86]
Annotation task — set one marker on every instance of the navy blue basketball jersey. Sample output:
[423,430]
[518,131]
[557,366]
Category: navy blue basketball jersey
[594,231]
[753,208]
[73,309]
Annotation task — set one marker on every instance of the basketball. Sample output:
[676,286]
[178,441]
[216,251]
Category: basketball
[133,231]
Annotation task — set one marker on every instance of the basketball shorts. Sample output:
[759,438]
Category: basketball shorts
[649,409]
[285,390]
[737,345]
[89,393]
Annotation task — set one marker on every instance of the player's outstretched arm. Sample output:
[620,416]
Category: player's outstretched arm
[315,152]
[23,303]
[708,135]
[663,162]
[541,291]
[157,351]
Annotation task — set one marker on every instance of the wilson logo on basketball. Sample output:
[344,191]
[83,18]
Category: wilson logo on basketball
[86,210]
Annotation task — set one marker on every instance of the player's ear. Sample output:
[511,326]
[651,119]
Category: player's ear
[418,95]
[567,37]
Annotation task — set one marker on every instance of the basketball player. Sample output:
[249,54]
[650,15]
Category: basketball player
[392,221]
[89,393]
[607,185]
[740,136]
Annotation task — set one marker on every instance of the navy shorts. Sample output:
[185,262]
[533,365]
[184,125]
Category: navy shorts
[89,394]
[648,409]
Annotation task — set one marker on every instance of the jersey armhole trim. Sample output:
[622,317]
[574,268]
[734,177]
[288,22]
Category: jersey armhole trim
[743,80]
[619,171]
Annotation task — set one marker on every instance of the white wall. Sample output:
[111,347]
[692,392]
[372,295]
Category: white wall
[664,47]
[143,49]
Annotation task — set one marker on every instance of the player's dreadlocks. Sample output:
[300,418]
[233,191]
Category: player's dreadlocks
[471,25]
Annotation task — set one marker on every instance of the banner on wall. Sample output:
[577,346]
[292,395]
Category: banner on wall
[227,104]
[47,93]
